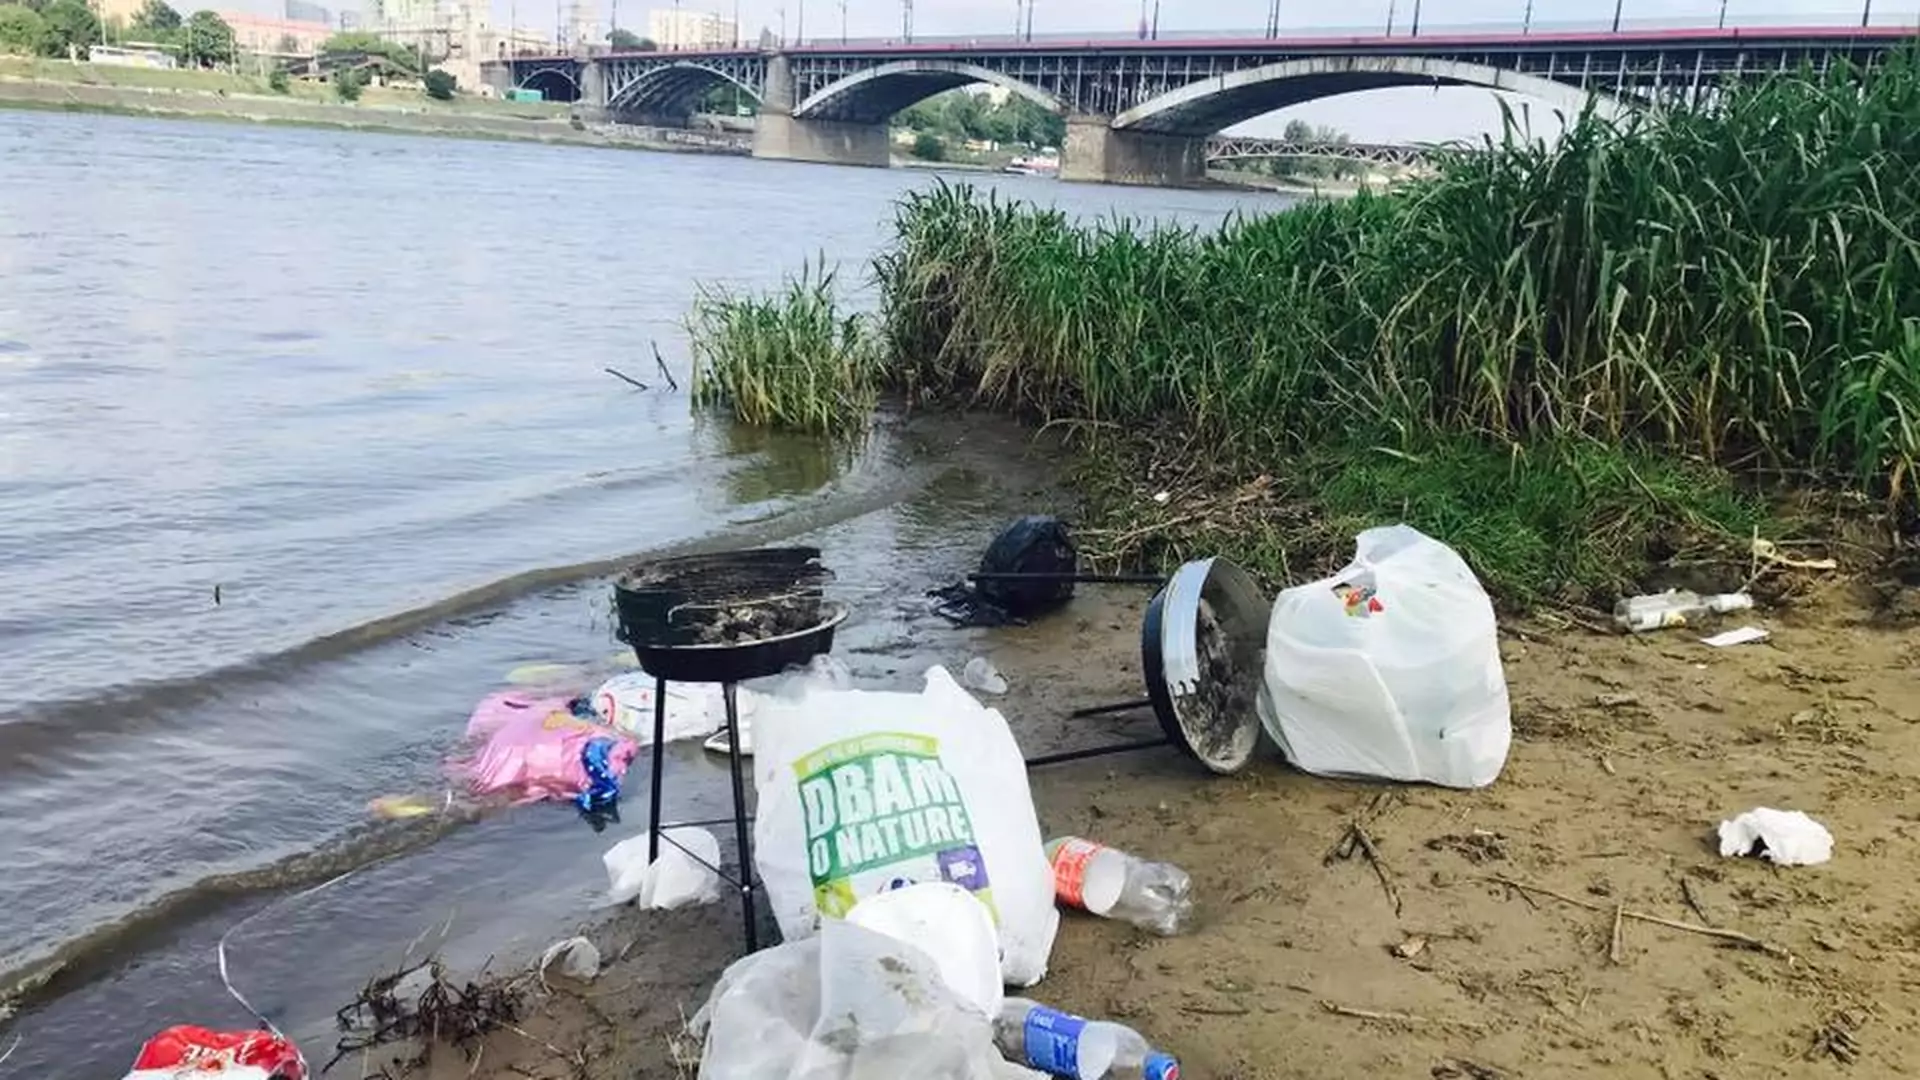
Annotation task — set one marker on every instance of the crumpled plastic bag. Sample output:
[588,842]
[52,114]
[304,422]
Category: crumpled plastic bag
[1785,837]
[845,1004]
[676,879]
[575,958]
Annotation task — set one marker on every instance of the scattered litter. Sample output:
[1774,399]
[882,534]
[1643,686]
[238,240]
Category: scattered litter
[694,710]
[846,1002]
[1003,593]
[1390,668]
[1063,1044]
[1112,884]
[536,748]
[401,807]
[1675,607]
[575,958]
[720,742]
[1409,947]
[1478,846]
[1745,635]
[952,926]
[1616,701]
[1769,551]
[680,877]
[186,1051]
[862,791]
[1784,837]
[981,675]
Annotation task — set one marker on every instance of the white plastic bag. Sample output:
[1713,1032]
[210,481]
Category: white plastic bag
[694,710]
[675,880]
[951,927]
[862,791]
[1389,669]
[1783,837]
[846,1004]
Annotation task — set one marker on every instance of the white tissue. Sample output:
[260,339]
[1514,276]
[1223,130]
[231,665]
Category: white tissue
[1791,837]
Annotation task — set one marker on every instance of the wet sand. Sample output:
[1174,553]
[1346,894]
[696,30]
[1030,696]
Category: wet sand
[1627,752]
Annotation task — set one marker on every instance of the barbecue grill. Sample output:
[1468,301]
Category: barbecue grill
[723,618]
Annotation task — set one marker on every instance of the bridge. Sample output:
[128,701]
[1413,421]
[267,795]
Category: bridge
[1224,148]
[1141,111]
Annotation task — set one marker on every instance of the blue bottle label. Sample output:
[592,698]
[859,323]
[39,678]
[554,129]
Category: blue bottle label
[1161,1067]
[1053,1041]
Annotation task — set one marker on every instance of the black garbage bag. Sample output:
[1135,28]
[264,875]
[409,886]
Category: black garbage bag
[1035,544]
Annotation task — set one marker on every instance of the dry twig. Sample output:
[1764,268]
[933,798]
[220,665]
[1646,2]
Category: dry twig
[1410,1019]
[1616,950]
[1734,936]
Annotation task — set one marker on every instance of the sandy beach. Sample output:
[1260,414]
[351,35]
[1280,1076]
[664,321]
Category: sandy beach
[1485,945]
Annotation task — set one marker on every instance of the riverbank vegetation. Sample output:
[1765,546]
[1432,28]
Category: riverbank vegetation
[951,126]
[1570,361]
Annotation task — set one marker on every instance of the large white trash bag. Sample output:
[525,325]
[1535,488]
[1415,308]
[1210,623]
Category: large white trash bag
[862,791]
[1390,668]
[847,1004]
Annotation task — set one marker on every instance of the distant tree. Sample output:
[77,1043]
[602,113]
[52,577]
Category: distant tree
[22,30]
[358,43]
[156,19]
[72,27]
[928,147]
[441,85]
[346,84]
[628,41]
[206,40]
[278,82]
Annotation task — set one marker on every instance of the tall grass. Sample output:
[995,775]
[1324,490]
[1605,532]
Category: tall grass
[1742,285]
[791,360]
[1556,354]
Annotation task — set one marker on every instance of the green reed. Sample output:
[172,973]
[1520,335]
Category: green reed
[1560,356]
[1743,285]
[790,360]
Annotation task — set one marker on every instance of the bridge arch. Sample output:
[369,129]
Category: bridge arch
[673,90]
[1210,105]
[554,83]
[873,95]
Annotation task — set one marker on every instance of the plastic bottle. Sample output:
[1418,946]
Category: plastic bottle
[1675,607]
[1110,883]
[1067,1045]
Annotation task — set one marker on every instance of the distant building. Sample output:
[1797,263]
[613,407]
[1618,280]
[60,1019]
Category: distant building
[307,11]
[582,25]
[678,28]
[121,12]
[131,56]
[276,37]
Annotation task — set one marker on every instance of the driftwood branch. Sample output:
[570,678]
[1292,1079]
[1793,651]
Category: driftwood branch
[1734,936]
[624,377]
[661,363]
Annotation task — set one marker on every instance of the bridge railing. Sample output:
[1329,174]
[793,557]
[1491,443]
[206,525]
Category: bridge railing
[1880,17]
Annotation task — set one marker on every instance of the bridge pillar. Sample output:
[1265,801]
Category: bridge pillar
[779,136]
[592,106]
[1095,153]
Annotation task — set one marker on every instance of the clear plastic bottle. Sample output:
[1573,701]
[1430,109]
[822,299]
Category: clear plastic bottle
[1067,1045]
[1110,883]
[1675,607]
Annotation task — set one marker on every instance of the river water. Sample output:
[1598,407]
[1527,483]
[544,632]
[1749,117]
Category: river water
[305,440]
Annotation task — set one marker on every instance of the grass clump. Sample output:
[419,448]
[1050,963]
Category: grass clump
[792,360]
